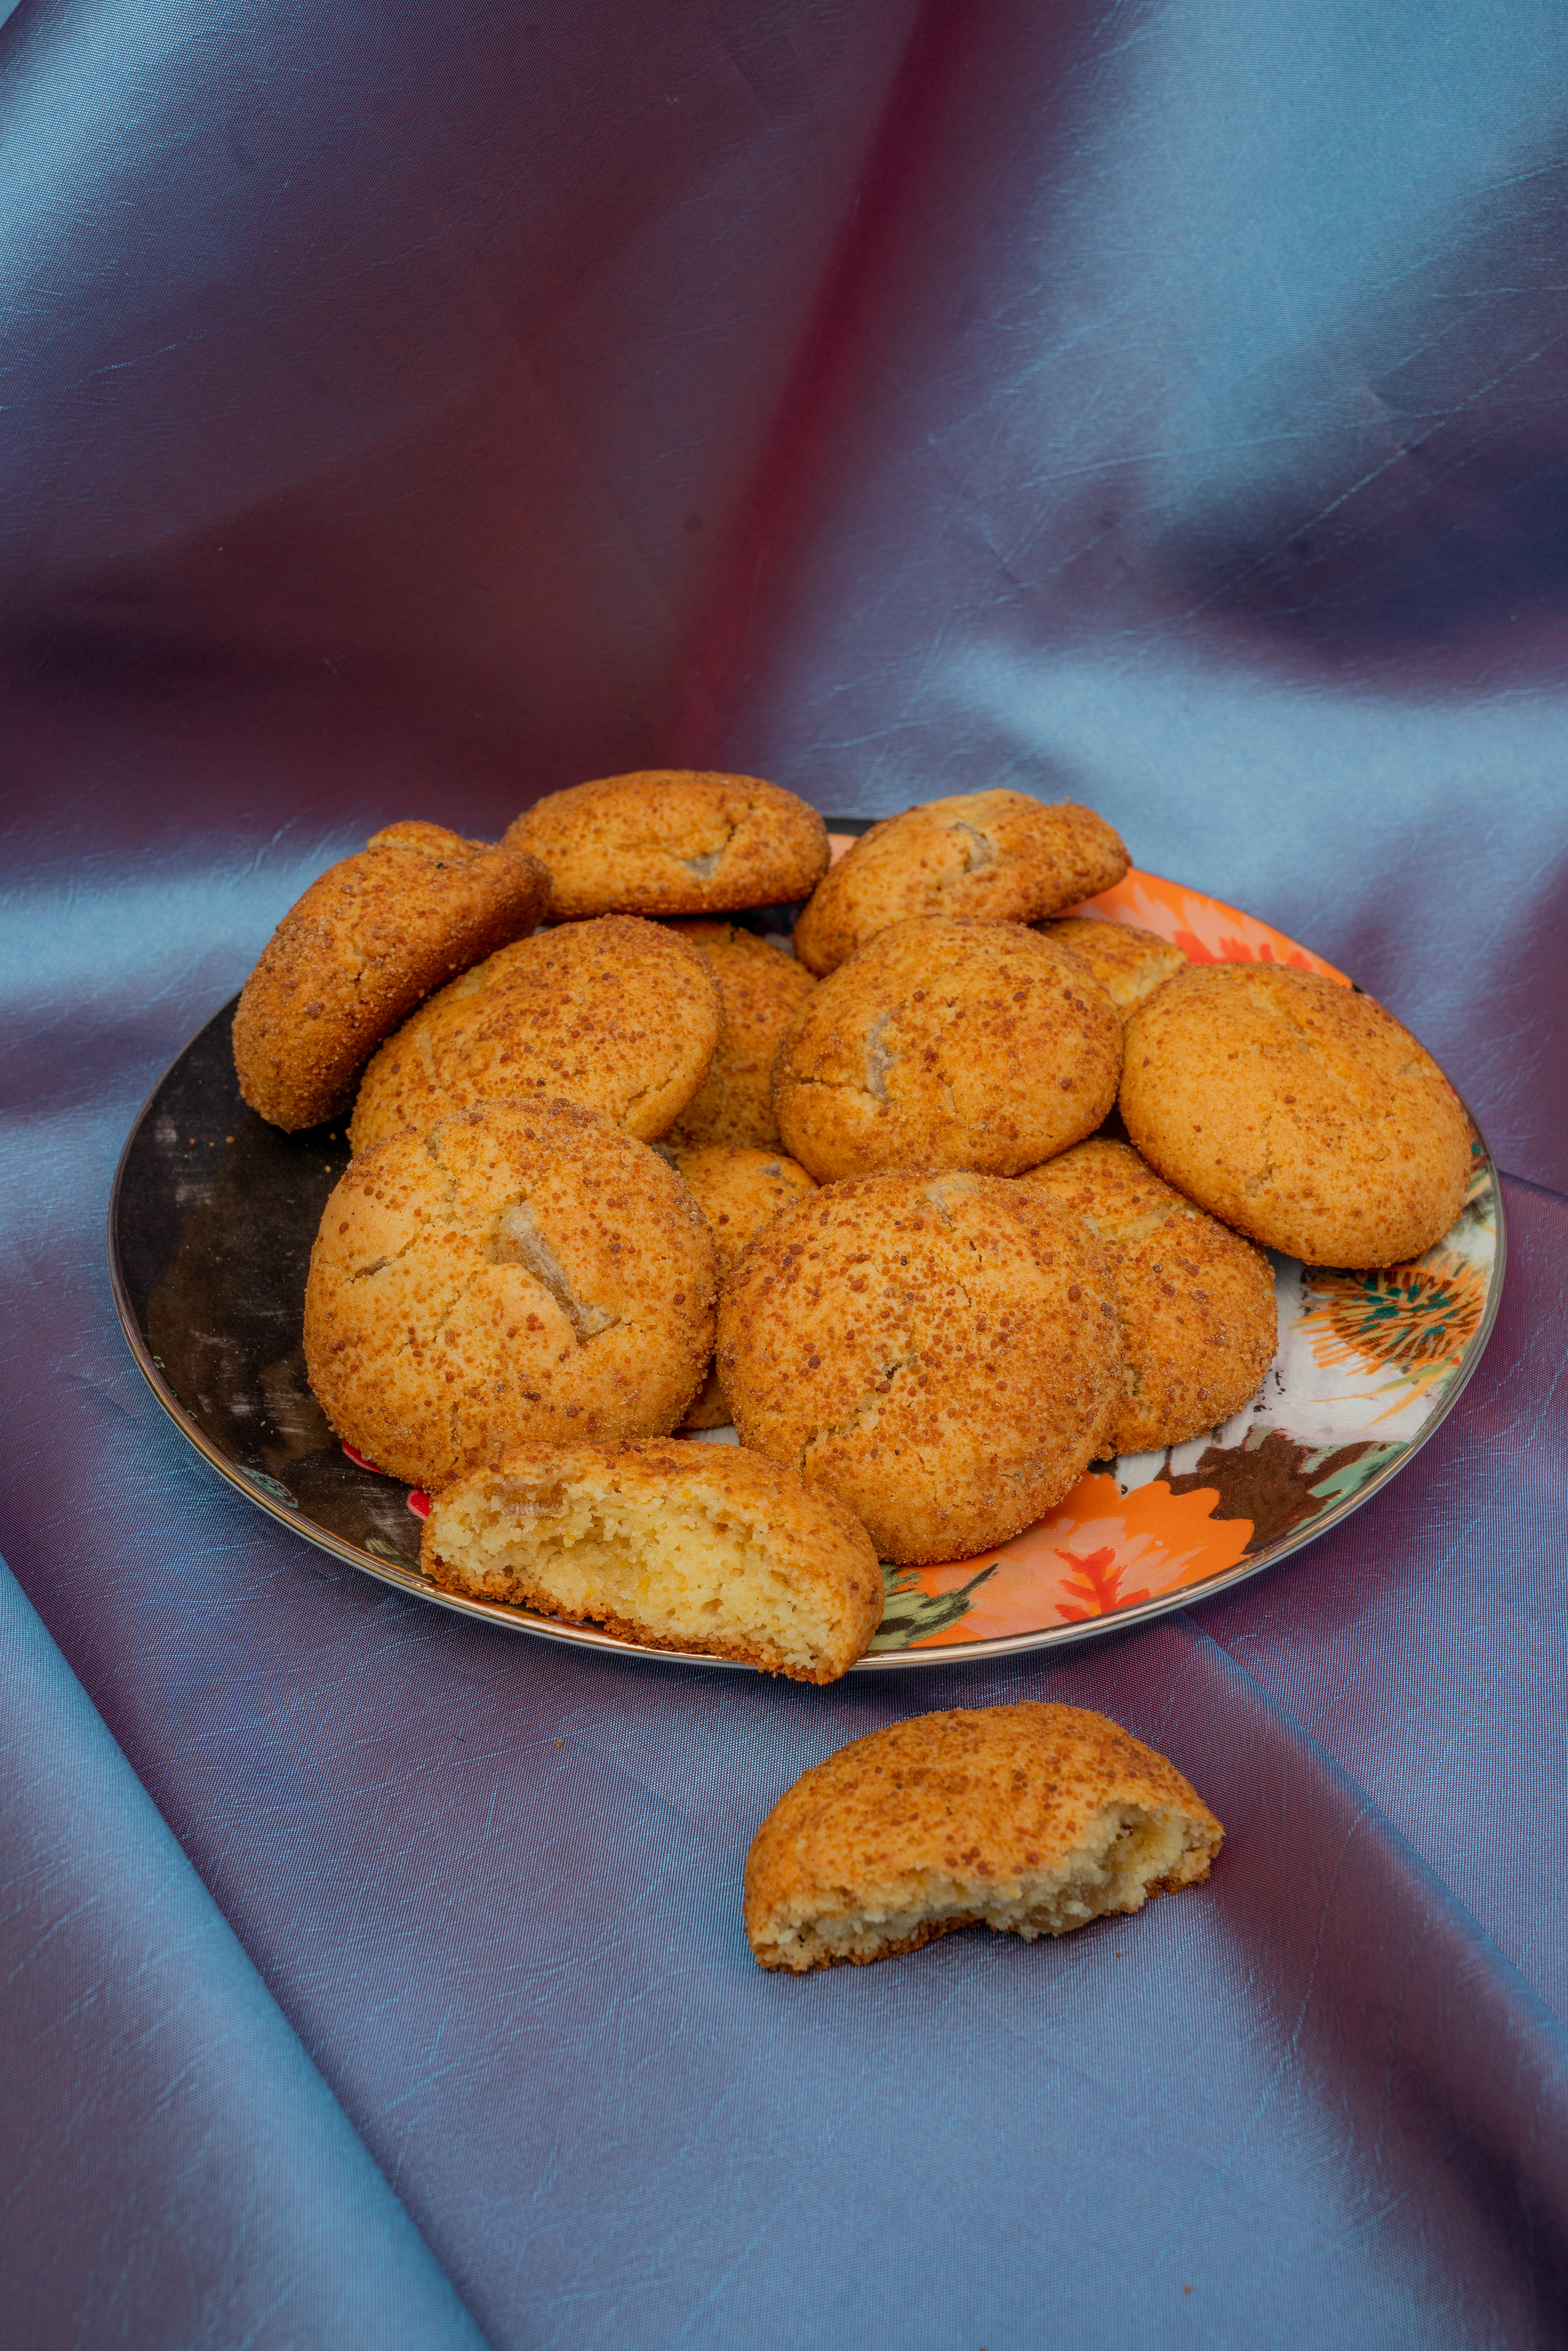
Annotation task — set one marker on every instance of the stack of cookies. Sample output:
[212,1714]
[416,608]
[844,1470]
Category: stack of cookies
[623,1164]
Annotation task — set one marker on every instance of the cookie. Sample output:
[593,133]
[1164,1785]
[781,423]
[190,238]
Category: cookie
[763,988]
[674,840]
[619,1015]
[738,1191]
[522,1274]
[1129,964]
[985,856]
[676,1546]
[943,1352]
[367,942]
[1199,1326]
[1030,1819]
[1297,1111]
[946,1044]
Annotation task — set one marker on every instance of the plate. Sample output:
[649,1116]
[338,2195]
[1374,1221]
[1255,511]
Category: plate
[211,1226]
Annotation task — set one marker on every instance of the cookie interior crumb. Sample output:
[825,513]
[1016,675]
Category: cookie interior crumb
[1127,1851]
[681,1569]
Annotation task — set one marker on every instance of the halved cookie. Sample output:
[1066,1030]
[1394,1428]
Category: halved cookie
[1029,1819]
[676,1546]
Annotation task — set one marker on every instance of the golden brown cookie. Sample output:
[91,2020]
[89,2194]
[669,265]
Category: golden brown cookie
[985,856]
[1129,964]
[1199,1325]
[943,1352]
[675,1546]
[1030,1819]
[674,840]
[620,1016]
[1297,1111]
[738,1191]
[362,947]
[946,1044]
[521,1274]
[762,990]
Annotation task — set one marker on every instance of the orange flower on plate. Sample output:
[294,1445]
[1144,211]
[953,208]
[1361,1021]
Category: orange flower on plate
[1098,1552]
[1204,929]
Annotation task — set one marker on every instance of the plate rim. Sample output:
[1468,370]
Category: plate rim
[959,1652]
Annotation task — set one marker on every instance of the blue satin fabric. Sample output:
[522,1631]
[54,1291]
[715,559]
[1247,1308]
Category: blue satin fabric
[411,410]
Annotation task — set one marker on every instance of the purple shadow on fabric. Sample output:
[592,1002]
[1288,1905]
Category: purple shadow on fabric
[147,2071]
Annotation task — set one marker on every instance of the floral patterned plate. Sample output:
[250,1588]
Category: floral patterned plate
[215,1212]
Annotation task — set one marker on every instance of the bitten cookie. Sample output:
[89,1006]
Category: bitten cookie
[762,990]
[1199,1325]
[946,1044]
[361,948]
[944,1353]
[674,840]
[1129,964]
[1297,1111]
[986,856]
[620,1016]
[518,1275]
[1030,1819]
[738,1191]
[676,1546]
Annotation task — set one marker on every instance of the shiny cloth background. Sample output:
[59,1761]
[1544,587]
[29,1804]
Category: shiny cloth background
[407,411]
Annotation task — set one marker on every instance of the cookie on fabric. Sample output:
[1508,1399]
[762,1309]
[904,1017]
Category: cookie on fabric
[1030,1819]
[520,1274]
[1297,1111]
[700,1548]
[946,1044]
[987,856]
[738,1191]
[1199,1324]
[367,941]
[674,840]
[943,1352]
[1129,964]
[763,988]
[619,1015]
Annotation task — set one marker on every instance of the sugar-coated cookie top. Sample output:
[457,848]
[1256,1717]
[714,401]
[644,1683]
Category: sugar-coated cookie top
[994,856]
[1298,1111]
[674,840]
[946,1044]
[943,1351]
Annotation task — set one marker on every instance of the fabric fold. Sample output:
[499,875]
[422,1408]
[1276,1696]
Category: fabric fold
[176,2170]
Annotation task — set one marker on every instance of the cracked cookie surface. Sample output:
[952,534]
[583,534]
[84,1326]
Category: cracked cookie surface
[762,990]
[1199,1325]
[518,1274]
[1297,1111]
[987,856]
[674,840]
[364,944]
[946,1044]
[943,1352]
[619,1015]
